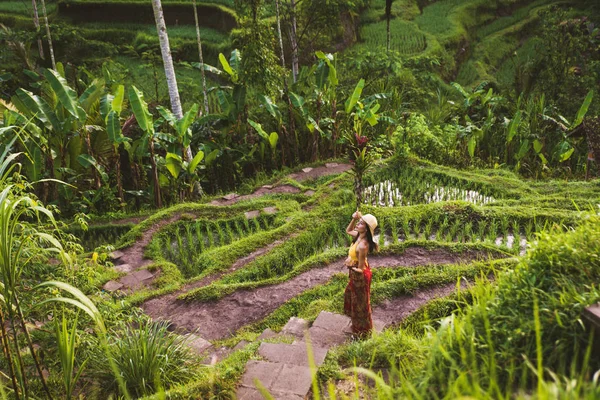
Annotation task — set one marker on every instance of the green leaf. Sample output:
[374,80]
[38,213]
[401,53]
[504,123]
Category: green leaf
[566,155]
[471,146]
[91,95]
[225,64]
[537,146]
[239,97]
[168,116]
[352,100]
[271,107]
[106,105]
[86,161]
[298,102]
[140,110]
[273,138]
[117,103]
[513,127]
[113,127]
[212,156]
[173,163]
[321,75]
[523,149]
[208,68]
[583,109]
[195,161]
[188,118]
[38,107]
[66,96]
[259,129]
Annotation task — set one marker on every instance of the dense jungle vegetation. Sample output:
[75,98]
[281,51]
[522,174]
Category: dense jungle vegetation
[163,165]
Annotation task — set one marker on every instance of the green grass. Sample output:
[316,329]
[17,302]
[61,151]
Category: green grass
[208,35]
[227,3]
[24,8]
[504,22]
[405,37]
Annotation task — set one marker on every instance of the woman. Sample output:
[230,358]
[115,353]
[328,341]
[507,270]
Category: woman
[357,297]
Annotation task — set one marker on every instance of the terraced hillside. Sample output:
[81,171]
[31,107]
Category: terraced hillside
[233,272]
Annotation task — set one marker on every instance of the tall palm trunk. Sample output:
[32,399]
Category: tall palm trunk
[165,50]
[294,40]
[36,22]
[49,36]
[388,16]
[285,141]
[204,91]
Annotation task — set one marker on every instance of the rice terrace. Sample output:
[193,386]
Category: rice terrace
[299,199]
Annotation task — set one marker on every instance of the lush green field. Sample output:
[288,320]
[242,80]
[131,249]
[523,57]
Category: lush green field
[406,38]
[24,8]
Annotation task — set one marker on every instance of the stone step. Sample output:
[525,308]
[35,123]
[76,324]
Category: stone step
[198,344]
[112,286]
[124,268]
[295,354]
[295,327]
[115,255]
[282,381]
[136,278]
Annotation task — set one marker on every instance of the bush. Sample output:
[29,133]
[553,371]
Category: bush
[148,358]
[434,143]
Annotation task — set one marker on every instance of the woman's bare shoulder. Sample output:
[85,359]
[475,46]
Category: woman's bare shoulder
[363,246]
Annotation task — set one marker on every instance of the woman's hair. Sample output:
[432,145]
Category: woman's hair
[372,245]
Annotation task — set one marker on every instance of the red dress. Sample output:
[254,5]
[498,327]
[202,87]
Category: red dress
[357,298]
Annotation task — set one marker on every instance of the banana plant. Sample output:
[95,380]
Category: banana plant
[61,117]
[111,106]
[565,149]
[268,139]
[478,114]
[146,124]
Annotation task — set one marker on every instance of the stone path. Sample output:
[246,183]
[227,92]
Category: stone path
[286,371]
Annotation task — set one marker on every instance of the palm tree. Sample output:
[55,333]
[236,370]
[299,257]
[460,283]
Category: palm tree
[294,40]
[204,91]
[48,35]
[36,22]
[388,16]
[165,50]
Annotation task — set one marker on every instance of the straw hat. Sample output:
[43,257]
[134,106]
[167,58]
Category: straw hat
[371,222]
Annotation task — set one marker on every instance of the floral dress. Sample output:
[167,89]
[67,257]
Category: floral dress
[357,297]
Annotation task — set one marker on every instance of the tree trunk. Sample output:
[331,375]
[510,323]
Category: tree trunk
[388,16]
[157,197]
[204,91]
[119,179]
[36,22]
[284,140]
[50,47]
[165,51]
[294,41]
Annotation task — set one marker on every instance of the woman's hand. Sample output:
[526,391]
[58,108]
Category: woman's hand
[357,215]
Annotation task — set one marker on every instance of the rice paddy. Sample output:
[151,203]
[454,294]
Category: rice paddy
[405,37]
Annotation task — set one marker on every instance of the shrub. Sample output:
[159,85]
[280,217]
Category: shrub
[148,358]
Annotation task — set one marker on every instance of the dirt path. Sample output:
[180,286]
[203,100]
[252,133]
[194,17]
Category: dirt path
[395,310]
[161,305]
[307,173]
[222,318]
[317,172]
[233,198]
[133,256]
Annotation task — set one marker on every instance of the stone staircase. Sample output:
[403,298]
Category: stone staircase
[285,371]
[134,279]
